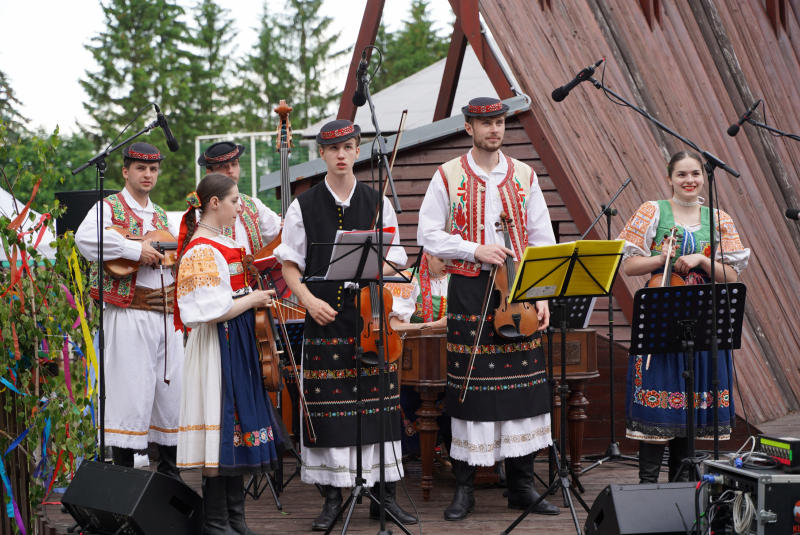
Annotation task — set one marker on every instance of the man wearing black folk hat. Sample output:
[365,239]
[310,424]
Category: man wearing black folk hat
[257,225]
[505,412]
[340,202]
[140,406]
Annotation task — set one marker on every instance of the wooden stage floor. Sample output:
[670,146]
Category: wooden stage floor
[302,503]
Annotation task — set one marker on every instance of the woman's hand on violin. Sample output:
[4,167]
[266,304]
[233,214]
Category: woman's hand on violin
[685,263]
[261,298]
[321,311]
[668,245]
[543,310]
[149,256]
[492,253]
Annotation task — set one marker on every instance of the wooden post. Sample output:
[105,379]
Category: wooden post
[366,37]
[452,72]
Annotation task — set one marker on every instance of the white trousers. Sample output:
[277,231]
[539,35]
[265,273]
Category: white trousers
[140,407]
[485,443]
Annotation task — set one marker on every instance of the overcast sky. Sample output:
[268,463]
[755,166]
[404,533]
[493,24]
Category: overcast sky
[42,46]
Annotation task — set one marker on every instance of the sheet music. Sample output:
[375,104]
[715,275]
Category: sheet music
[344,266]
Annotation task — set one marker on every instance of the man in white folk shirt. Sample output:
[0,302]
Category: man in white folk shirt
[140,406]
[340,202]
[257,225]
[505,412]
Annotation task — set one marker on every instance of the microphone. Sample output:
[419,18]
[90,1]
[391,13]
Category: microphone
[172,143]
[360,96]
[734,128]
[560,93]
[793,213]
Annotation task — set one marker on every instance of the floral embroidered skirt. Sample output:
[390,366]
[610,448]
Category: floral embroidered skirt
[656,406]
[250,439]
[508,379]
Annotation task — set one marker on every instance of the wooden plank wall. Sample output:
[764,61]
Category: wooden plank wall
[672,71]
[16,465]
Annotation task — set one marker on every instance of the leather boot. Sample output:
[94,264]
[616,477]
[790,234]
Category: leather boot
[333,503]
[678,451]
[391,504]
[215,507]
[167,461]
[122,456]
[234,490]
[521,491]
[650,458]
[464,499]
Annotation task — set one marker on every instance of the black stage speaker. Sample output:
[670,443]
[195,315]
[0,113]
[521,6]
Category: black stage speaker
[642,509]
[109,499]
[78,204]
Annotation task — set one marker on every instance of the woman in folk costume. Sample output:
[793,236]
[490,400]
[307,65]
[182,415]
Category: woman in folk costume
[418,306]
[227,424]
[655,406]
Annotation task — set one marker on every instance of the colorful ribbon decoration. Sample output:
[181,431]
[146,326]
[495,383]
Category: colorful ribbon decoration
[77,279]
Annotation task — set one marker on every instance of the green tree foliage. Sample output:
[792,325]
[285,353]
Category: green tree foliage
[14,120]
[411,48]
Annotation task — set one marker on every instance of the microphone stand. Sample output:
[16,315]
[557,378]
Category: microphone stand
[712,163]
[612,451]
[780,133]
[99,161]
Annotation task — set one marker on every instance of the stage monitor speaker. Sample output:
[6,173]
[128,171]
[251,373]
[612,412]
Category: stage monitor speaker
[651,508]
[78,204]
[109,499]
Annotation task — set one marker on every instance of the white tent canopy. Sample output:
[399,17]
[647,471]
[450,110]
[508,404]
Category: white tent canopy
[10,210]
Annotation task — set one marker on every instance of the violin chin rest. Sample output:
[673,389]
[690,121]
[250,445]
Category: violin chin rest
[509,332]
[370,358]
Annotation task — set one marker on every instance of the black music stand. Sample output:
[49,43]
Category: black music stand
[362,252]
[575,267]
[678,319]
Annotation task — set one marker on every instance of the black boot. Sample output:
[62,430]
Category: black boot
[391,504]
[678,451]
[167,461]
[215,507]
[122,456]
[521,491]
[464,499]
[333,503]
[650,458]
[234,490]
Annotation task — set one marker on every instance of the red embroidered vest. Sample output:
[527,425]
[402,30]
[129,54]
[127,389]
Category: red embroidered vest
[467,193]
[120,291]
[252,226]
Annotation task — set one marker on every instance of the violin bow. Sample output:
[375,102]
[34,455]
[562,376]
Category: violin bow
[485,310]
[664,277]
[166,329]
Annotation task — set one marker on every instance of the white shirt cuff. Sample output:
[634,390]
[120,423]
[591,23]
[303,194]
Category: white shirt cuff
[285,253]
[466,250]
[132,250]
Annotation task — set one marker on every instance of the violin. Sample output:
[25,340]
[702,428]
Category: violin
[284,137]
[163,242]
[511,320]
[667,278]
[367,300]
[266,340]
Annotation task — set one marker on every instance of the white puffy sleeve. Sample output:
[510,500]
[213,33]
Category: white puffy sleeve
[204,286]
[293,239]
[404,299]
[640,231]
[730,250]
[269,222]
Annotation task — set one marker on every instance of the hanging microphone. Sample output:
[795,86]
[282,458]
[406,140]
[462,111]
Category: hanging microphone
[360,96]
[172,143]
[734,128]
[560,93]
[793,213]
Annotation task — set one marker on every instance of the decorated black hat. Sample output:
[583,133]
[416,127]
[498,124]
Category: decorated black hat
[484,107]
[337,131]
[219,153]
[143,151]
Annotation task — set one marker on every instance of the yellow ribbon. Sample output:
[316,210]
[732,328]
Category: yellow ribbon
[77,280]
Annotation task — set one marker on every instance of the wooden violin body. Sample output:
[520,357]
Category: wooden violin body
[367,300]
[162,241]
[266,340]
[511,320]
[667,278]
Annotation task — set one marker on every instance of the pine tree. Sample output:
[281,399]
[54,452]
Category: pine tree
[411,48]
[9,114]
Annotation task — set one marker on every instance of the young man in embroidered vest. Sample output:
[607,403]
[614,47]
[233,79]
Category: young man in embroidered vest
[140,406]
[257,225]
[340,202]
[505,412]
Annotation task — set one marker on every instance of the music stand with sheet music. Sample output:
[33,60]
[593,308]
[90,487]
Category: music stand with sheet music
[678,319]
[586,268]
[362,256]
